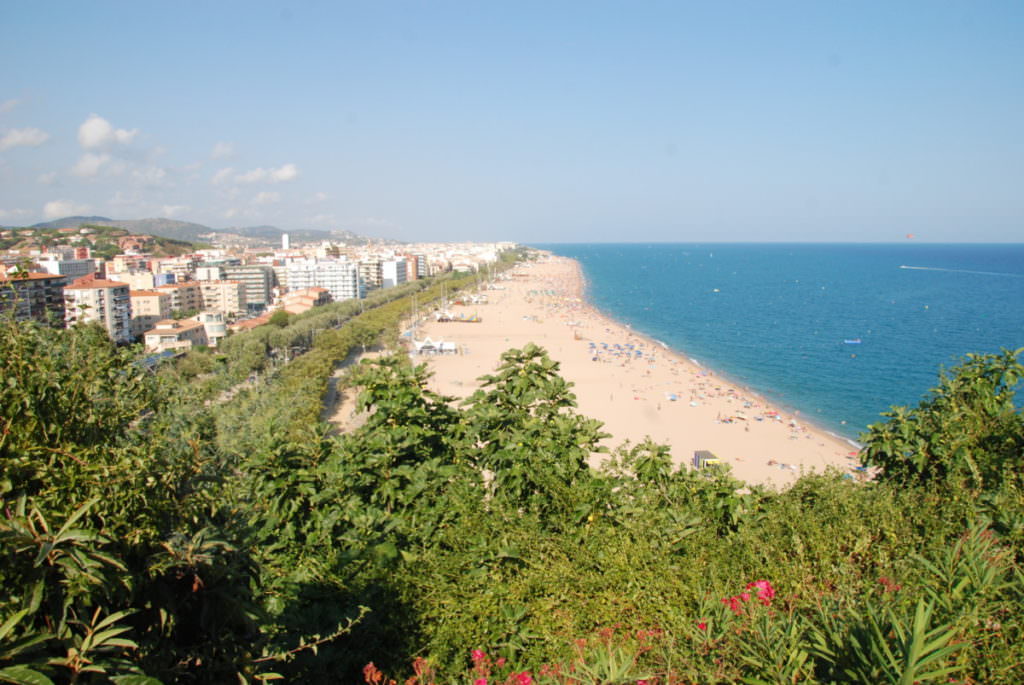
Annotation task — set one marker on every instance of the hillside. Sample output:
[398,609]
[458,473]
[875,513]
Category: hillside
[102,240]
[193,232]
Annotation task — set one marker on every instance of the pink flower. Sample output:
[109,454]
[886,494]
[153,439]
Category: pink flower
[745,596]
[477,655]
[765,591]
[480,681]
[524,678]
[733,603]
[500,662]
[702,625]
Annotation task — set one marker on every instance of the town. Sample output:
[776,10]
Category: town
[175,303]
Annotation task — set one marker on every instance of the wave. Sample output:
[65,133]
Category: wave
[961,271]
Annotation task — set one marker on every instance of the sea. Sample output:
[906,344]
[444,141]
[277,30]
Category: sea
[836,332]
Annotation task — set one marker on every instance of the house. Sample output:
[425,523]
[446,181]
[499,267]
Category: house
[172,334]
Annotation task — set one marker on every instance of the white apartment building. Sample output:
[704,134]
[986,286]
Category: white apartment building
[95,299]
[392,273]
[341,279]
[72,268]
[138,280]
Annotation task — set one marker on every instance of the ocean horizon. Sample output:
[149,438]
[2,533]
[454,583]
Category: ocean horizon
[838,332]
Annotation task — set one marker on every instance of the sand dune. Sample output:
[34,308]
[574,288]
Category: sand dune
[633,384]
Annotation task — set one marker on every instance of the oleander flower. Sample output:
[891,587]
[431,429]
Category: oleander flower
[765,591]
[477,655]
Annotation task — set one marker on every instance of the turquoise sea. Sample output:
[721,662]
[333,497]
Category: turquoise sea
[785,319]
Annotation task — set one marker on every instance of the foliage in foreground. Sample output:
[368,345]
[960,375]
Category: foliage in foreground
[158,537]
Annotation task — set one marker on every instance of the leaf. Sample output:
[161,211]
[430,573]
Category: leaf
[23,675]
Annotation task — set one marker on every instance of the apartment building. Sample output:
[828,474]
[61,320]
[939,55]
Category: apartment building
[138,280]
[183,268]
[227,297]
[369,273]
[258,281]
[185,297]
[72,268]
[392,273]
[148,307]
[341,279]
[107,302]
[36,296]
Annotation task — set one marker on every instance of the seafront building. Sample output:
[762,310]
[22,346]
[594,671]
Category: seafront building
[208,281]
[340,279]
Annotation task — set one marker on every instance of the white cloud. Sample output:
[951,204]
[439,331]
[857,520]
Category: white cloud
[222,150]
[8,105]
[23,137]
[231,213]
[96,132]
[150,176]
[89,164]
[266,198]
[222,175]
[286,172]
[171,210]
[47,178]
[56,209]
[253,176]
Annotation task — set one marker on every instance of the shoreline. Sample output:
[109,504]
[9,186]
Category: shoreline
[761,395]
[635,385]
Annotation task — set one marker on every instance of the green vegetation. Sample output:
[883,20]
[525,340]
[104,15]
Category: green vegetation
[102,240]
[203,525]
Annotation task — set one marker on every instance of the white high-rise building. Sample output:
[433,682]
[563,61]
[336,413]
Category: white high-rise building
[285,242]
[341,279]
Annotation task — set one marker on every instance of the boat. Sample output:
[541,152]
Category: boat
[852,341]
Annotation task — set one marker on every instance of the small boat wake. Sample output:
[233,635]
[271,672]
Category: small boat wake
[961,271]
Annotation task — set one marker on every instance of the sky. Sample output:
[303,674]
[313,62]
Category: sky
[549,121]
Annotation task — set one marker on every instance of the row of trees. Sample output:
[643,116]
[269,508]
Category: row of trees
[154,531]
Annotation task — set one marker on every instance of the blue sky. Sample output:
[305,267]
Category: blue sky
[528,121]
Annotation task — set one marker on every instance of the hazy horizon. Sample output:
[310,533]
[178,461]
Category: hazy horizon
[533,122]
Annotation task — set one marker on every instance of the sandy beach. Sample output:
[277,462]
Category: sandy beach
[634,385]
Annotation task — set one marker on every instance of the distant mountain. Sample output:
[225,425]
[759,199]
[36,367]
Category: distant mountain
[72,222]
[192,232]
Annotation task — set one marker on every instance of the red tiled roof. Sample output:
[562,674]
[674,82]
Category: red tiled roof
[32,276]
